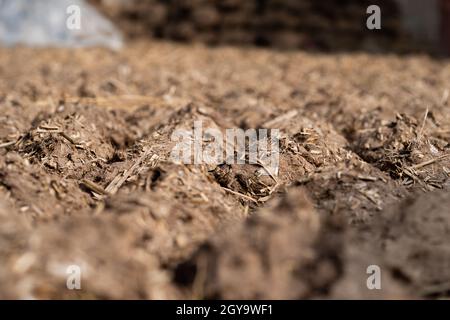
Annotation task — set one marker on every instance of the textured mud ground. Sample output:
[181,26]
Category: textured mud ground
[86,177]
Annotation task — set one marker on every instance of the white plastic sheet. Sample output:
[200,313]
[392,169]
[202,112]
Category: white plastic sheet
[54,23]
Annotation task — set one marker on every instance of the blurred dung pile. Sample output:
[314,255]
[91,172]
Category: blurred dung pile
[331,25]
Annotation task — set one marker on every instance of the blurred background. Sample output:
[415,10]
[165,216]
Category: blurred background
[332,25]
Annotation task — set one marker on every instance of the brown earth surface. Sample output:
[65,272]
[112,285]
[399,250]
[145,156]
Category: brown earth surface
[86,176]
